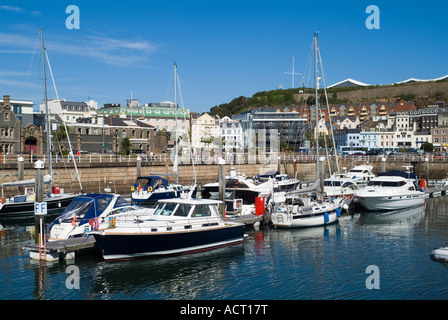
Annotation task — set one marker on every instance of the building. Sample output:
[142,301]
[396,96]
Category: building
[440,138]
[162,116]
[104,135]
[347,137]
[23,109]
[69,111]
[205,129]
[426,119]
[231,134]
[291,126]
[9,128]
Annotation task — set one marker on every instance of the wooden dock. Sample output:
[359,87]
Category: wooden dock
[248,219]
[65,249]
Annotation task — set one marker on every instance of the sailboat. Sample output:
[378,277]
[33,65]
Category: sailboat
[148,190]
[22,206]
[301,210]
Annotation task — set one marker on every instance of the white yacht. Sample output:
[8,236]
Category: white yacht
[302,211]
[347,184]
[392,190]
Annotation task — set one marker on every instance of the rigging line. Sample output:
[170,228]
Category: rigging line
[32,60]
[168,89]
[328,110]
[63,121]
[188,136]
[65,166]
[329,119]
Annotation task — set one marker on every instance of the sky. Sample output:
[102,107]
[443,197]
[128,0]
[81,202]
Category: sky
[223,48]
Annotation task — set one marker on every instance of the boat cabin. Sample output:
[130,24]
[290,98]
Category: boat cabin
[84,208]
[188,208]
[149,183]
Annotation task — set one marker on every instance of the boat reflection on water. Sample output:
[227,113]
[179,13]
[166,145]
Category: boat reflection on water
[298,237]
[401,219]
[192,276]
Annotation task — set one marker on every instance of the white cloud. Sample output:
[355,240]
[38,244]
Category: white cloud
[117,52]
[18,9]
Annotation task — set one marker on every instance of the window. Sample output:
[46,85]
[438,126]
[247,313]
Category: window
[165,209]
[201,211]
[183,210]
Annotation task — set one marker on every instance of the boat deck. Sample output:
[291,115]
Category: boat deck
[64,246]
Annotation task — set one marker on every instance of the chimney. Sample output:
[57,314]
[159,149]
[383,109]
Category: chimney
[6,101]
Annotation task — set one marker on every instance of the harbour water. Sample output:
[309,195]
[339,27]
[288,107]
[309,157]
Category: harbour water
[319,263]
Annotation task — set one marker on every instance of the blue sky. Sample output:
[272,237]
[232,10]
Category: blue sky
[224,49]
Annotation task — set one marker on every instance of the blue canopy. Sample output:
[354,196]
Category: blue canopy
[88,206]
[150,181]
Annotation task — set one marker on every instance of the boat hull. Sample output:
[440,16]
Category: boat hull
[395,202]
[440,255]
[26,209]
[134,246]
[284,220]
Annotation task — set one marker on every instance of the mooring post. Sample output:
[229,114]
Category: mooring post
[20,167]
[383,164]
[139,167]
[39,197]
[222,186]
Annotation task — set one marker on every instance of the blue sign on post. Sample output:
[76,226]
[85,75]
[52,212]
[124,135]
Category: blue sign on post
[40,208]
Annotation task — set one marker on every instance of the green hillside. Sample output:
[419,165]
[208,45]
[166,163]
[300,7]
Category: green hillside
[422,93]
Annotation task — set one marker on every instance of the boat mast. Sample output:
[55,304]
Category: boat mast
[47,114]
[175,129]
[316,104]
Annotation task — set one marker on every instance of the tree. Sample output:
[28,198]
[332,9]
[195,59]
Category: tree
[61,132]
[427,147]
[125,146]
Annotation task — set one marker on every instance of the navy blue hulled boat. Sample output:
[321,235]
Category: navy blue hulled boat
[178,226]
[150,189]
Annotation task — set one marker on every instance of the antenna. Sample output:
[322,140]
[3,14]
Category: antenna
[292,73]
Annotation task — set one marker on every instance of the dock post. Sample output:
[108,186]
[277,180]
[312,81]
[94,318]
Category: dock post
[222,186]
[20,171]
[139,167]
[39,197]
[383,164]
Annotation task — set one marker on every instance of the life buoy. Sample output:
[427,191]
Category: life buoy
[94,223]
[2,200]
[74,221]
[150,189]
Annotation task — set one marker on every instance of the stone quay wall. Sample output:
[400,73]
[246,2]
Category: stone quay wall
[119,176]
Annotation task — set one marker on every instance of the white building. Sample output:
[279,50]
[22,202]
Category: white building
[69,111]
[231,134]
[205,129]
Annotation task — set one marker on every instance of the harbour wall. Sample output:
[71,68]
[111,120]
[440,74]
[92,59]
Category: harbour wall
[119,176]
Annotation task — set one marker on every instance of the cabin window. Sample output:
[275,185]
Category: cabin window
[182,210]
[201,211]
[165,210]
